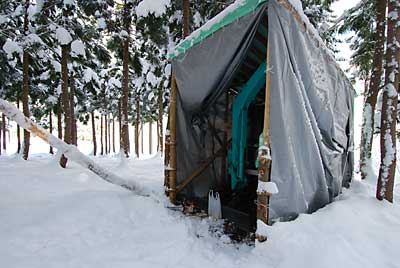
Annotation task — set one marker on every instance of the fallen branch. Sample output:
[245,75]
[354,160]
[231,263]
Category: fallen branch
[70,151]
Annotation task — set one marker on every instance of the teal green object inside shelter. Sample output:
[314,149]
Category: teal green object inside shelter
[236,154]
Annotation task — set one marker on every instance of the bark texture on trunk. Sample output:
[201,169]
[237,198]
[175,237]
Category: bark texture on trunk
[150,137]
[160,119]
[18,133]
[105,134]
[186,18]
[389,106]
[137,126]
[125,83]
[113,134]
[25,86]
[65,100]
[59,120]
[51,128]
[371,95]
[4,132]
[74,130]
[93,133]
[101,135]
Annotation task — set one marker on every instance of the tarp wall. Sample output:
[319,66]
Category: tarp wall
[311,119]
[311,111]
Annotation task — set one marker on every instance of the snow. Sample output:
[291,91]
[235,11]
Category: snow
[11,47]
[267,187]
[101,23]
[70,218]
[78,48]
[63,36]
[146,7]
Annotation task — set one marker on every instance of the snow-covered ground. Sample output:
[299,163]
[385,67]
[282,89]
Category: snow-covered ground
[51,217]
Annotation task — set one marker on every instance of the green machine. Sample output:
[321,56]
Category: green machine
[236,154]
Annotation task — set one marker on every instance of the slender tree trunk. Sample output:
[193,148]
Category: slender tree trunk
[0,140]
[109,132]
[150,137]
[371,95]
[389,106]
[93,133]
[125,82]
[137,122]
[59,120]
[106,133]
[51,128]
[25,86]
[186,18]
[113,134]
[141,136]
[74,132]
[101,135]
[160,119]
[65,100]
[121,149]
[18,133]
[4,132]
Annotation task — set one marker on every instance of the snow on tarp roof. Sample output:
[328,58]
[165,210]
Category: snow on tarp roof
[233,12]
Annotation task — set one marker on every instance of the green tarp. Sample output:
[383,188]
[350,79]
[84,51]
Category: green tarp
[229,15]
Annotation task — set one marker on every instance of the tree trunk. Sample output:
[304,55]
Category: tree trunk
[186,18]
[71,152]
[18,133]
[371,95]
[59,120]
[65,100]
[105,134]
[109,132]
[137,122]
[150,137]
[113,134]
[101,135]
[125,82]
[25,85]
[120,127]
[74,131]
[0,140]
[389,106]
[93,133]
[51,128]
[160,118]
[4,132]
[141,136]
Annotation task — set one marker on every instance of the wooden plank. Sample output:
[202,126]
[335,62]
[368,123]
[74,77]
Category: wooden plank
[200,170]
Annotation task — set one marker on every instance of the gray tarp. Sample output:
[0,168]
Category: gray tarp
[311,111]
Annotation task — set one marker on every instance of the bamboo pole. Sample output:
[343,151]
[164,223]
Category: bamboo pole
[172,143]
[264,154]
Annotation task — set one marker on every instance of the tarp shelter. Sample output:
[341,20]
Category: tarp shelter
[220,75]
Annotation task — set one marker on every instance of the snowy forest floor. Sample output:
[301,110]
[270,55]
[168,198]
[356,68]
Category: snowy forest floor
[51,217]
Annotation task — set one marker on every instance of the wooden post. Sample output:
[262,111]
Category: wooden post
[264,154]
[172,143]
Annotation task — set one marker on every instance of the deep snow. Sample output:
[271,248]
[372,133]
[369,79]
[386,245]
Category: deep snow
[50,217]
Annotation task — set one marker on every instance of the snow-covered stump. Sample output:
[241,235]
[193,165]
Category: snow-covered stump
[70,151]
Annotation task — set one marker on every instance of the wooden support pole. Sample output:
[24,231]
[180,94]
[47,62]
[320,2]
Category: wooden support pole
[264,154]
[172,144]
[200,170]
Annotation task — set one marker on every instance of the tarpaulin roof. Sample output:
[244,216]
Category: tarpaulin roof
[229,15]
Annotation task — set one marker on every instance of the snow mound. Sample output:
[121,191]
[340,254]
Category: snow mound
[63,36]
[157,8]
